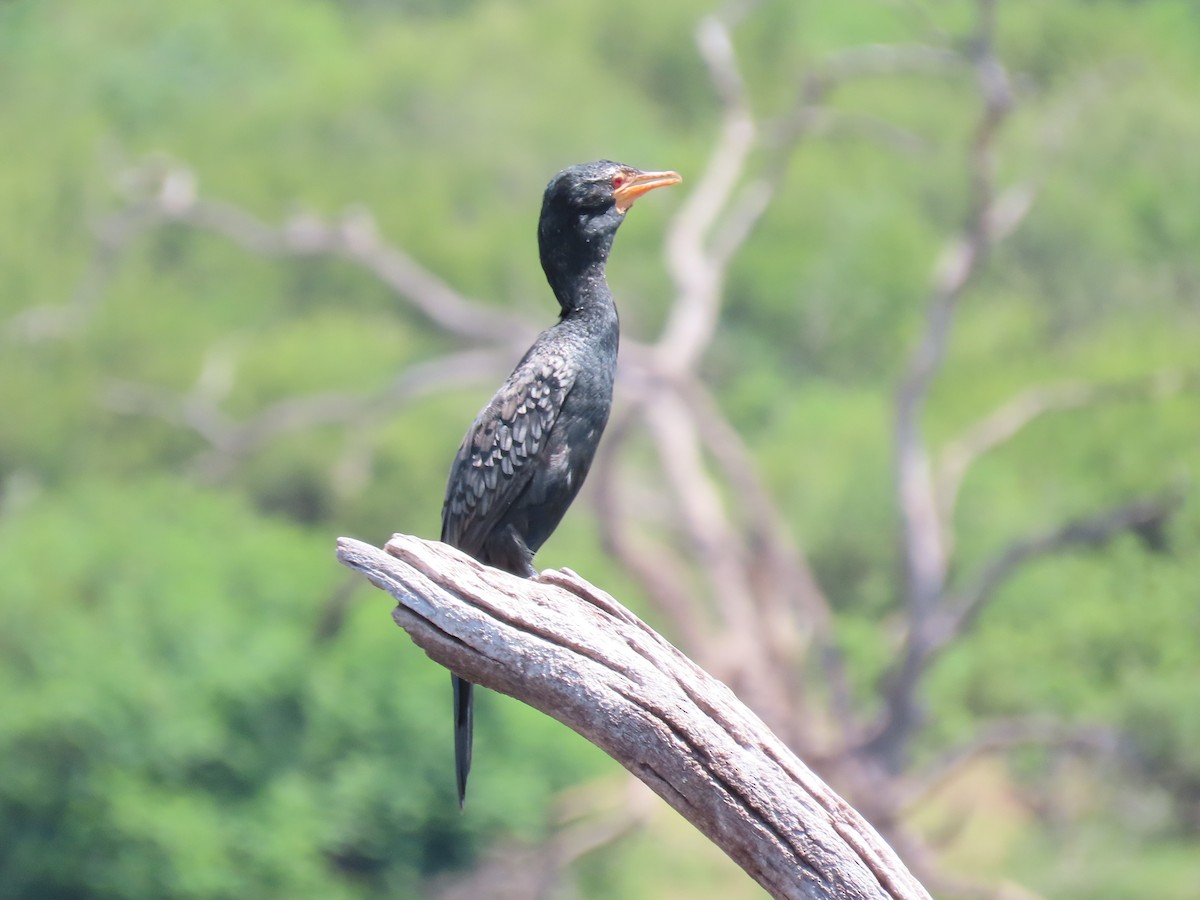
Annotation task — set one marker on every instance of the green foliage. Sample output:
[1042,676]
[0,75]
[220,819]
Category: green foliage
[178,721]
[189,708]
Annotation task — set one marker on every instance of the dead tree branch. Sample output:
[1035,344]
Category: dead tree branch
[958,610]
[1001,425]
[583,820]
[1008,420]
[764,589]
[990,217]
[573,652]
[998,737]
[961,608]
[697,275]
[169,197]
[230,441]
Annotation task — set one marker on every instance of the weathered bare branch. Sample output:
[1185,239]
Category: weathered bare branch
[883,60]
[584,819]
[1146,517]
[356,238]
[697,276]
[47,321]
[809,115]
[1009,419]
[925,556]
[998,737]
[923,547]
[702,513]
[662,574]
[166,197]
[791,604]
[710,534]
[999,426]
[232,441]
[566,648]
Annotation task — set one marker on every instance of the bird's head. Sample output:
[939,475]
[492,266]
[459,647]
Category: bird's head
[581,211]
[592,189]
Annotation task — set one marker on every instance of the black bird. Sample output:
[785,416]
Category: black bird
[526,455]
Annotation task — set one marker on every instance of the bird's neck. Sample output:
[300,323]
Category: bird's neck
[583,292]
[574,260]
[590,315]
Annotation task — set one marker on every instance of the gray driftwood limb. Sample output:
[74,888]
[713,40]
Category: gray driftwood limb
[571,651]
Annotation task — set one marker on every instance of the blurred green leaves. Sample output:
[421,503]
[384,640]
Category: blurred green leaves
[194,704]
[175,720]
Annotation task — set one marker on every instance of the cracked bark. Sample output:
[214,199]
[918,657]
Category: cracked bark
[571,651]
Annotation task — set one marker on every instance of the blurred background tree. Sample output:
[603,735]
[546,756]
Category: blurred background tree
[921,361]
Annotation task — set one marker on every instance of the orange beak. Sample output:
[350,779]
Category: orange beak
[639,183]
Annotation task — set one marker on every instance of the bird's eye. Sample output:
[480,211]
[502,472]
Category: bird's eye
[617,181]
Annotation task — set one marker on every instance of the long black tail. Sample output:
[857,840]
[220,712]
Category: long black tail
[463,733]
[508,551]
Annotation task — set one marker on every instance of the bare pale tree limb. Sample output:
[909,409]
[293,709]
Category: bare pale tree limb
[925,557]
[231,441]
[728,200]
[795,613]
[661,573]
[767,606]
[764,525]
[1012,417]
[698,277]
[1001,425]
[922,536]
[958,610]
[961,608]
[998,737]
[764,605]
[573,652]
[584,819]
[704,515]
[167,195]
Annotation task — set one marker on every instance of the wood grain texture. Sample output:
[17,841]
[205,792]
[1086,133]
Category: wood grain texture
[568,649]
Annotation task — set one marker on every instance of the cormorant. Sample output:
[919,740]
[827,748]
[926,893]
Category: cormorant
[526,455]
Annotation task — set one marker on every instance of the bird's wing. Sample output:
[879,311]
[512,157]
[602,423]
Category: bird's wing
[494,462]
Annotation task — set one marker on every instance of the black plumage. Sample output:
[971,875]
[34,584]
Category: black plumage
[526,455]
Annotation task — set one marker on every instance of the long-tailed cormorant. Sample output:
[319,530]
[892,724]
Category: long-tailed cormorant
[526,455]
